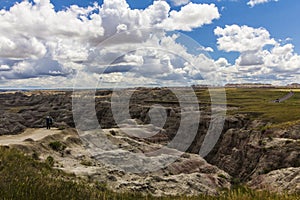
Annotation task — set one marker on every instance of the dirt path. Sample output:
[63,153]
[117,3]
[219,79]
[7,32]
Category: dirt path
[35,134]
[286,97]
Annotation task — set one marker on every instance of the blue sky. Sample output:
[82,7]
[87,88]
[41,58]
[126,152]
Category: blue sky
[273,22]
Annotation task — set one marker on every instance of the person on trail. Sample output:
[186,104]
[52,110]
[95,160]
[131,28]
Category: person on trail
[48,122]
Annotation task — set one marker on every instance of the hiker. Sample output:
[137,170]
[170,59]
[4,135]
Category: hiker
[48,122]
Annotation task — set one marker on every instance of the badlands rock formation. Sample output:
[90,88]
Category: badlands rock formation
[244,153]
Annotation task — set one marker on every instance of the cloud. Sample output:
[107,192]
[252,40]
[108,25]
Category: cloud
[249,58]
[39,20]
[16,48]
[35,68]
[191,16]
[222,62]
[242,38]
[39,42]
[180,2]
[4,68]
[277,62]
[42,46]
[282,58]
[252,3]
[160,60]
[207,49]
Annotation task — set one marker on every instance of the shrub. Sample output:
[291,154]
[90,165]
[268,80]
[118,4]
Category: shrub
[270,138]
[266,170]
[101,186]
[288,141]
[235,181]
[261,143]
[57,146]
[222,176]
[265,128]
[49,161]
[112,132]
[35,156]
[61,128]
[86,163]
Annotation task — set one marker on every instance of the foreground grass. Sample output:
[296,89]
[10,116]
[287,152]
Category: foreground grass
[22,177]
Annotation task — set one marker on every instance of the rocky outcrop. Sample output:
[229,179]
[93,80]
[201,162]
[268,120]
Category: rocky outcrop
[245,154]
[246,150]
[22,110]
[188,175]
[282,181]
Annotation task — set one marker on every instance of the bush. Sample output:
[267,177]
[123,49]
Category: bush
[49,161]
[222,176]
[35,156]
[101,186]
[86,163]
[61,128]
[270,138]
[112,132]
[57,146]
[266,170]
[265,128]
[288,142]
[261,142]
[235,181]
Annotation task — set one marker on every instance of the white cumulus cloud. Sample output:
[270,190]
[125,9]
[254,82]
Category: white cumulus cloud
[191,16]
[261,58]
[180,2]
[37,41]
[242,38]
[252,3]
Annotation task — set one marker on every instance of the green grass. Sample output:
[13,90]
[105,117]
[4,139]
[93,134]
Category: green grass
[22,177]
[254,102]
[257,104]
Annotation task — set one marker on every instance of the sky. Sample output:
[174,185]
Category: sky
[119,43]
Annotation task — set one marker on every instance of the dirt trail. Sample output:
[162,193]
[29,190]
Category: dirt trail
[286,97]
[35,134]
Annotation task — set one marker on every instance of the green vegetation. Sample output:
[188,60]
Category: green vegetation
[49,161]
[57,146]
[222,176]
[35,156]
[257,104]
[22,177]
[86,163]
[61,128]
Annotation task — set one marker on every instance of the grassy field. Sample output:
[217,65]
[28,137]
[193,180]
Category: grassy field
[22,177]
[257,104]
